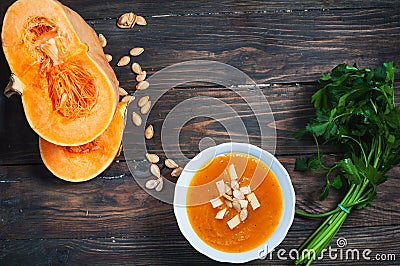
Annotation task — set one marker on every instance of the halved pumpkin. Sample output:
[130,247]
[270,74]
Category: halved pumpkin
[84,162]
[69,91]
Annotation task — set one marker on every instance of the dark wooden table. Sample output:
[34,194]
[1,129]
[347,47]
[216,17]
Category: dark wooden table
[282,45]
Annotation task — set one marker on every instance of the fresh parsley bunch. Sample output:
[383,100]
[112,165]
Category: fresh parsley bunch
[355,111]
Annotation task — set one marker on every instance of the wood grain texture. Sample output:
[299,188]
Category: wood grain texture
[290,105]
[114,205]
[115,250]
[91,9]
[270,46]
[193,8]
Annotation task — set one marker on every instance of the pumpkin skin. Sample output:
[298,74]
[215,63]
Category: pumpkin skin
[69,91]
[82,163]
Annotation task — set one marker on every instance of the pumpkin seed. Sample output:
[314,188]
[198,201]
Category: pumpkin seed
[127,20]
[152,157]
[122,92]
[136,51]
[124,61]
[136,68]
[160,185]
[136,119]
[238,194]
[128,99]
[141,21]
[228,203]
[63,99]
[176,172]
[155,170]
[244,203]
[236,205]
[142,76]
[243,214]
[142,101]
[227,197]
[234,184]
[109,57]
[171,164]
[149,132]
[45,63]
[102,40]
[142,85]
[228,190]
[246,190]
[152,183]
[123,19]
[145,108]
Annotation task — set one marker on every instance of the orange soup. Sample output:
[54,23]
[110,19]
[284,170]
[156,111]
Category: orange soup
[259,224]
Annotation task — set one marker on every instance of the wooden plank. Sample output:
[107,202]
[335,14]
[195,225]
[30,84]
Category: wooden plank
[146,250]
[36,205]
[90,9]
[290,105]
[18,142]
[268,46]
[112,9]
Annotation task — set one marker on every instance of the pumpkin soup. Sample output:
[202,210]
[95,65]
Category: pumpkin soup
[234,202]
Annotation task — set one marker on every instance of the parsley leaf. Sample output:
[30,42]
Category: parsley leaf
[354,110]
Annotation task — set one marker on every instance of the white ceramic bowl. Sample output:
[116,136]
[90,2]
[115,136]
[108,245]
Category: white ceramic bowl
[287,193]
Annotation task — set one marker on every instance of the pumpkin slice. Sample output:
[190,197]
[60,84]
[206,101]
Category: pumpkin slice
[82,163]
[69,91]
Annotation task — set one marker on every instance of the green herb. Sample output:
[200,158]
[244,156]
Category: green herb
[355,112]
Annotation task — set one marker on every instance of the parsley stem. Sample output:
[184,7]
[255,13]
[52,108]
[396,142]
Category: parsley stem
[355,111]
[319,153]
[378,151]
[321,238]
[318,215]
[361,147]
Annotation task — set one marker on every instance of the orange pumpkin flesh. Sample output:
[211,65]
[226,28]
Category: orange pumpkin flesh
[68,89]
[82,163]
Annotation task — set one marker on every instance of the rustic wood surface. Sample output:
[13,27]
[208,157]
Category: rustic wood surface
[282,45]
